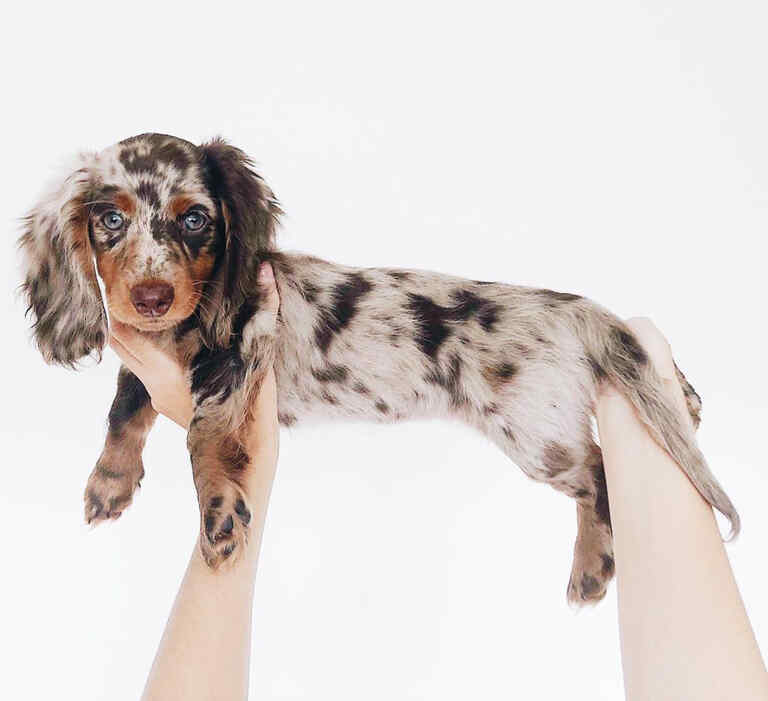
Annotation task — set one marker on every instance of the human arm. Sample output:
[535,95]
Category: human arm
[684,630]
[205,649]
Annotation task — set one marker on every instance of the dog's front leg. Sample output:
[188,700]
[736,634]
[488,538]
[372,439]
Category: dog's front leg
[223,384]
[219,466]
[119,469]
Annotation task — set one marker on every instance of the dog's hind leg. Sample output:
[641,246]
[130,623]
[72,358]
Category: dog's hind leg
[593,564]
[119,469]
[576,469]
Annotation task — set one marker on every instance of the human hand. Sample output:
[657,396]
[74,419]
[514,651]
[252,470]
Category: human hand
[659,351]
[160,372]
[670,561]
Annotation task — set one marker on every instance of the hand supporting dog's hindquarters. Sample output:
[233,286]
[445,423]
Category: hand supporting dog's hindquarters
[222,445]
[684,630]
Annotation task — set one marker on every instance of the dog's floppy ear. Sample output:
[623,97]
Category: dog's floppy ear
[60,279]
[250,214]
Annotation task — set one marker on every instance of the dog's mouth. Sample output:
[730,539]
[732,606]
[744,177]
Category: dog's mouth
[141,323]
[151,305]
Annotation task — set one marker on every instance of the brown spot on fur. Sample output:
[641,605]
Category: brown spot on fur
[233,455]
[602,506]
[557,459]
[597,370]
[497,375]
[330,373]
[329,398]
[106,473]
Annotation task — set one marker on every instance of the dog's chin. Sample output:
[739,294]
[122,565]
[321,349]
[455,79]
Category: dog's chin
[148,324]
[156,324]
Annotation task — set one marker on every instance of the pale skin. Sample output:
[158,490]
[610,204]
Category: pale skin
[684,630]
[683,627]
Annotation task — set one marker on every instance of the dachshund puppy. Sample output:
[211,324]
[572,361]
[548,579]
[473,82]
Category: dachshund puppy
[178,231]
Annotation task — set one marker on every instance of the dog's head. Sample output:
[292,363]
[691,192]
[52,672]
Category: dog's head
[174,229]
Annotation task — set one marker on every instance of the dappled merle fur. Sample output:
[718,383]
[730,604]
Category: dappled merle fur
[521,365]
[250,214]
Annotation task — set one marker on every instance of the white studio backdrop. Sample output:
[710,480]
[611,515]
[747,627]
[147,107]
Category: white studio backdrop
[616,150]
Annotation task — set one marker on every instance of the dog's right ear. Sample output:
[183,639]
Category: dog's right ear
[250,214]
[60,279]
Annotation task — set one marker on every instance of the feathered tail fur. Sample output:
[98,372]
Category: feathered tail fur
[616,355]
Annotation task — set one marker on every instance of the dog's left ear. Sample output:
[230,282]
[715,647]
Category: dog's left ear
[60,279]
[250,213]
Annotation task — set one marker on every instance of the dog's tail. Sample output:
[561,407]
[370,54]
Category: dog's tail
[615,354]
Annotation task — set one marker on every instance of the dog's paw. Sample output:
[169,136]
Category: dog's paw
[110,491]
[590,578]
[224,523]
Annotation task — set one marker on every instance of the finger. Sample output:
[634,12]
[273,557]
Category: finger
[655,344]
[660,352]
[269,288]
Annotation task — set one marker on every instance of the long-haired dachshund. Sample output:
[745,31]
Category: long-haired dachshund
[178,232]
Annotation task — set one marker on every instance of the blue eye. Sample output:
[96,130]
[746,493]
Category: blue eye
[194,221]
[113,220]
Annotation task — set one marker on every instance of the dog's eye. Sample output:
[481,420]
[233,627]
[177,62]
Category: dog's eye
[113,220]
[194,221]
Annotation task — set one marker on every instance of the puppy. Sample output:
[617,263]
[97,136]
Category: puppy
[178,231]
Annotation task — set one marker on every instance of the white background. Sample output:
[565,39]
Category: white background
[616,150]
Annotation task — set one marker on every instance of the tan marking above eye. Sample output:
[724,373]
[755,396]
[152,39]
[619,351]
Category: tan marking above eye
[125,202]
[180,204]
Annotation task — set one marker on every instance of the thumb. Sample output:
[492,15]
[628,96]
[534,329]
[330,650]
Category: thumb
[269,288]
[655,344]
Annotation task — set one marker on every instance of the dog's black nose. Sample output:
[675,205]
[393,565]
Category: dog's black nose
[152,298]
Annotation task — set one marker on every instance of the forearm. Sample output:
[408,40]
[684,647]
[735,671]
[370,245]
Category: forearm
[684,630]
[205,650]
